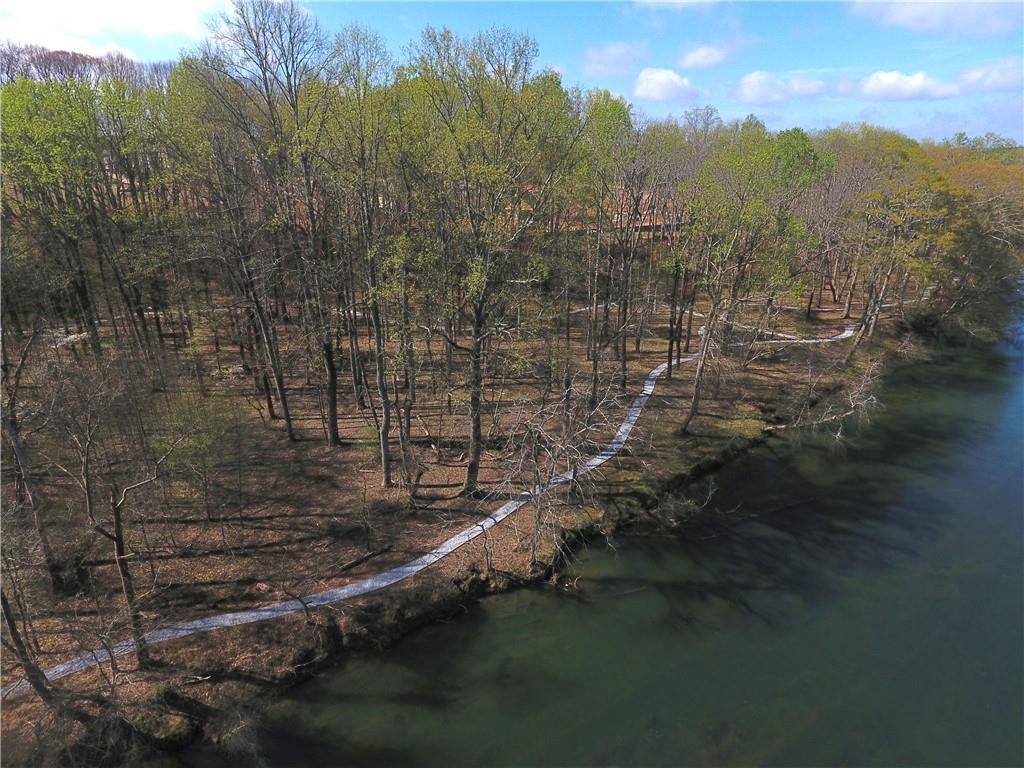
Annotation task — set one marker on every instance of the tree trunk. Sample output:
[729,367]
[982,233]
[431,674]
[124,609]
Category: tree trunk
[673,305]
[409,354]
[689,324]
[880,299]
[333,438]
[475,391]
[698,378]
[270,348]
[35,676]
[385,398]
[128,588]
[30,497]
[849,296]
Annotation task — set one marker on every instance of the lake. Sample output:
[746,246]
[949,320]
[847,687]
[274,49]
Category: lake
[858,603]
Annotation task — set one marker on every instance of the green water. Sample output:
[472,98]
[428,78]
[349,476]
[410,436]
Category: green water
[871,615]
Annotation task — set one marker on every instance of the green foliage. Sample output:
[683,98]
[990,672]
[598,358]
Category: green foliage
[200,429]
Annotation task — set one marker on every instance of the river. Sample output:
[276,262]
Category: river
[861,603]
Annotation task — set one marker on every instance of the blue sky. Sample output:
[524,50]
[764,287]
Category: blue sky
[929,69]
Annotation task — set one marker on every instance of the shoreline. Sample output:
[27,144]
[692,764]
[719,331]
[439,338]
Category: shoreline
[477,585]
[297,646]
[402,572]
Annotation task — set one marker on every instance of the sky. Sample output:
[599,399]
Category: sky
[928,69]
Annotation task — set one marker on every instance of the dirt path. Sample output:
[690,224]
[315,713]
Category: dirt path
[401,572]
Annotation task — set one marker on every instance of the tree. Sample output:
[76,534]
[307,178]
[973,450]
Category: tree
[493,122]
[745,230]
[110,461]
[361,123]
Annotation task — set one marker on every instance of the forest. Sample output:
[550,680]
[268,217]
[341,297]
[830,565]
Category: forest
[287,309]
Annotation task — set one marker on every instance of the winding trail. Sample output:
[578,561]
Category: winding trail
[401,572]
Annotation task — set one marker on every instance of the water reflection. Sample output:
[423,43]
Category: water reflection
[861,606]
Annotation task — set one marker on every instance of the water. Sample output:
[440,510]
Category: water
[871,614]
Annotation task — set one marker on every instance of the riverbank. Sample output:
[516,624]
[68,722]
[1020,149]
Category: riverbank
[218,682]
[853,603]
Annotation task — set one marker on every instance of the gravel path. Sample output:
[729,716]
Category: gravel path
[393,575]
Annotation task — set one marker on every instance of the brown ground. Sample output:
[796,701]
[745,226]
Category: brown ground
[297,518]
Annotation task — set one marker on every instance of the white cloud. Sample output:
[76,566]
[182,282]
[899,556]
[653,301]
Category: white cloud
[611,59]
[766,88]
[894,86]
[92,27]
[1002,75]
[703,57]
[653,84]
[972,19]
[802,87]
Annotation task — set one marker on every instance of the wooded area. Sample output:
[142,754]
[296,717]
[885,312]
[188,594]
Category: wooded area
[452,262]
